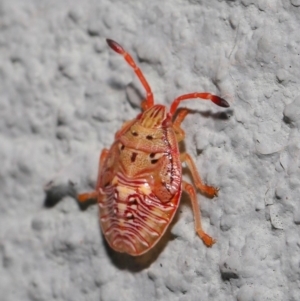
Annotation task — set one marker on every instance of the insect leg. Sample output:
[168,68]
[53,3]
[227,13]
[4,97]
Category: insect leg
[214,98]
[180,134]
[148,103]
[85,197]
[205,189]
[180,116]
[190,190]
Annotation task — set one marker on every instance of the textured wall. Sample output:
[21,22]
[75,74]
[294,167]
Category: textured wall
[64,93]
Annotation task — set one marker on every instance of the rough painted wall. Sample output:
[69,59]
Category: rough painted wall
[64,93]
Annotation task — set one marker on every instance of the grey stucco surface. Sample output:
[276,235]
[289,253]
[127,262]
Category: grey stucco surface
[63,95]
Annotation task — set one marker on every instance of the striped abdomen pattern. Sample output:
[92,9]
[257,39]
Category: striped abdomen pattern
[132,218]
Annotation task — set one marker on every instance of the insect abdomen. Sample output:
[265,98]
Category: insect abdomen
[132,217]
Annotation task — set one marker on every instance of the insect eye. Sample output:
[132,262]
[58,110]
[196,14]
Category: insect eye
[134,134]
[149,137]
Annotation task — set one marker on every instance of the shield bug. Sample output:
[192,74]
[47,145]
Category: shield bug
[140,182]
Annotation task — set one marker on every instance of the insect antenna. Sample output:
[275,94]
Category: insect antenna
[149,102]
[206,96]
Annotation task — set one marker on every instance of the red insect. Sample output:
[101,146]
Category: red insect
[140,182]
